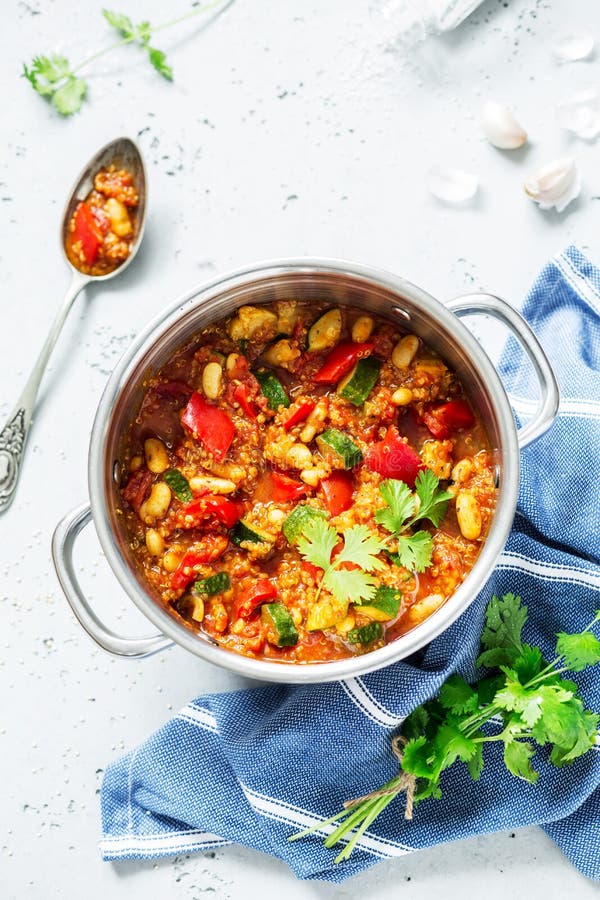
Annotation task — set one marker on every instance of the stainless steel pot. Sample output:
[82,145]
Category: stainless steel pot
[341,283]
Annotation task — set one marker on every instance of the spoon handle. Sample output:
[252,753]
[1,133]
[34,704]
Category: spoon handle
[14,434]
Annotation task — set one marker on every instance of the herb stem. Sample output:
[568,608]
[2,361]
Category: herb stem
[151,30]
[100,53]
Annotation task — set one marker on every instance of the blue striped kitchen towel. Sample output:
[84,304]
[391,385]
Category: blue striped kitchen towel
[255,766]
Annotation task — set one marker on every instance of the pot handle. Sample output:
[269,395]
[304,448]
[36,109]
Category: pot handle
[63,542]
[499,309]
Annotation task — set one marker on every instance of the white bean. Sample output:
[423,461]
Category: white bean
[154,542]
[402,397]
[468,515]
[299,456]
[157,458]
[362,328]
[157,504]
[212,380]
[212,484]
[405,350]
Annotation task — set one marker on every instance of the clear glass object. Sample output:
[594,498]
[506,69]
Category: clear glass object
[416,19]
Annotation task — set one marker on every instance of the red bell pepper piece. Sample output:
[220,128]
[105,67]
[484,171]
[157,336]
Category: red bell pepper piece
[88,232]
[394,458]
[286,488]
[298,413]
[448,417]
[213,546]
[209,424]
[251,598]
[341,360]
[241,395]
[337,491]
[211,507]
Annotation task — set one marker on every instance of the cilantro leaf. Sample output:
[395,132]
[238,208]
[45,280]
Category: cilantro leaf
[416,758]
[505,618]
[144,32]
[361,547]
[458,696]
[355,585]
[51,77]
[517,758]
[68,98]
[414,551]
[121,23]
[579,650]
[159,61]
[475,764]
[317,542]
[452,744]
[433,501]
[400,505]
[352,585]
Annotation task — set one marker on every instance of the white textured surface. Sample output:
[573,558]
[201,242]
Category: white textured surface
[289,130]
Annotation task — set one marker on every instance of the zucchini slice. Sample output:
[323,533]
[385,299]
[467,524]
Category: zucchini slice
[357,386]
[326,613]
[242,531]
[281,630]
[272,389]
[339,449]
[214,584]
[298,519]
[326,331]
[366,634]
[384,606]
[179,485]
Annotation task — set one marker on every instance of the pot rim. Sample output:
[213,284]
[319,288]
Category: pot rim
[403,646]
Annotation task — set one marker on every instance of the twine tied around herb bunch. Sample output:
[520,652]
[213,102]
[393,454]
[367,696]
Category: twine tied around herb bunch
[403,782]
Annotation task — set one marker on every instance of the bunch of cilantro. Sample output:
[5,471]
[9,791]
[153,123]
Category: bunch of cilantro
[534,705]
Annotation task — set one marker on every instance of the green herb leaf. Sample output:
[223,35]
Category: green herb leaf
[458,696]
[505,618]
[400,505]
[350,586]
[159,61]
[414,552]
[317,542]
[517,758]
[579,650]
[361,547]
[434,502]
[69,98]
[121,23]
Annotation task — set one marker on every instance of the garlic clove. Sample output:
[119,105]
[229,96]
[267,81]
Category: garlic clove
[452,186]
[555,184]
[581,114]
[574,47]
[500,126]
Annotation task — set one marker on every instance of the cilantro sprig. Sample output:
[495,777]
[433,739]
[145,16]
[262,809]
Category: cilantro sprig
[404,509]
[360,547]
[53,77]
[535,706]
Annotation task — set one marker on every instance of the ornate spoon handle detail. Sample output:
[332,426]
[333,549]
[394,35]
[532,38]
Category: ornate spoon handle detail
[14,434]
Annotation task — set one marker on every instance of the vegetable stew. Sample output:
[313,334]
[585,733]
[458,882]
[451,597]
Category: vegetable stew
[102,229]
[305,483]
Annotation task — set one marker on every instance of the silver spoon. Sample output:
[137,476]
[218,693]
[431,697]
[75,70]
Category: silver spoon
[124,154]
